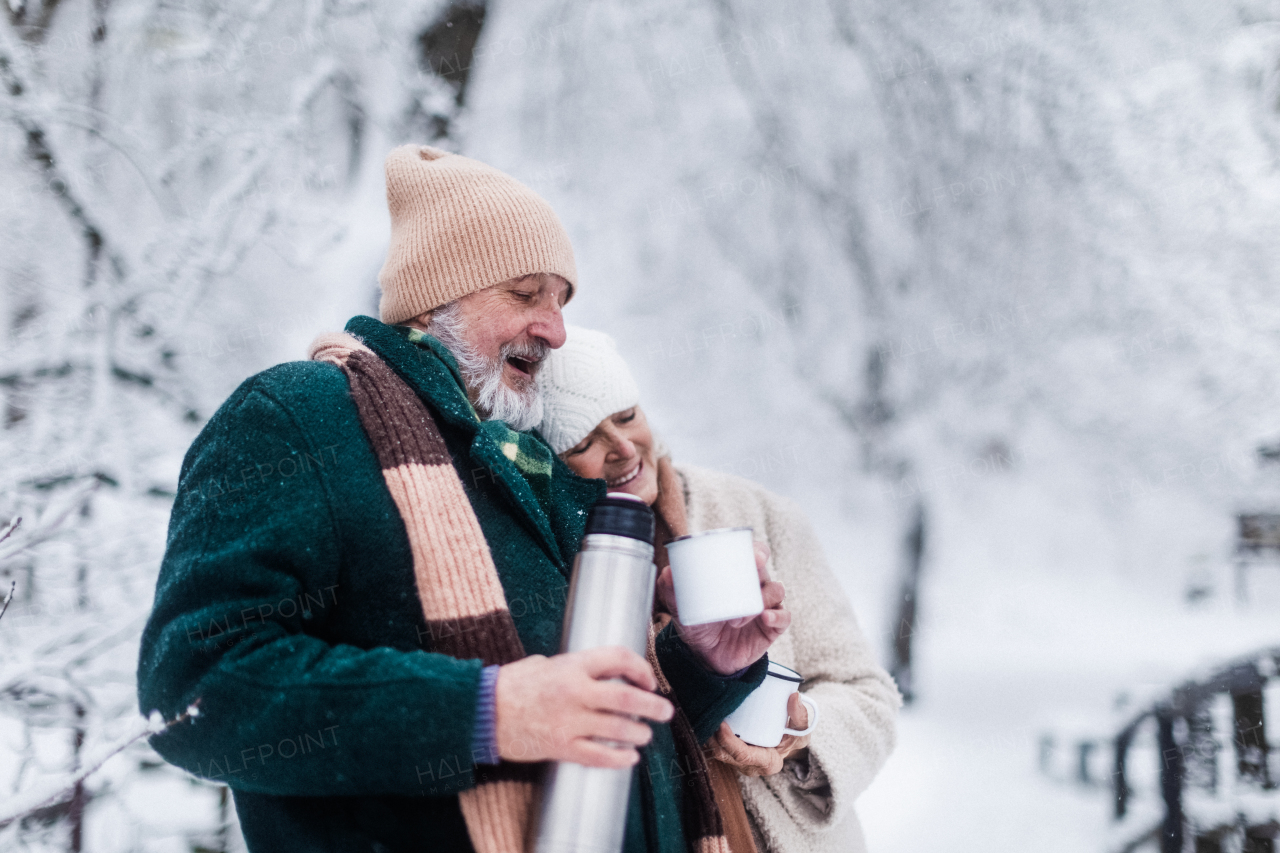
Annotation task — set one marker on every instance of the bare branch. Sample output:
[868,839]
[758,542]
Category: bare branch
[13,585]
[40,153]
[61,788]
[147,381]
[47,526]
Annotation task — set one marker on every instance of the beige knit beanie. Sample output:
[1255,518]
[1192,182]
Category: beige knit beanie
[582,383]
[458,226]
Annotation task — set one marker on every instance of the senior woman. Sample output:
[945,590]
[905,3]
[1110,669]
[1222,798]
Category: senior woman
[799,795]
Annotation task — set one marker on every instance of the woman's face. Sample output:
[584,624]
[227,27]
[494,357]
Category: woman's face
[620,452]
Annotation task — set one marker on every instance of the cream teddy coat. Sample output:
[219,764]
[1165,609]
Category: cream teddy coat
[809,806]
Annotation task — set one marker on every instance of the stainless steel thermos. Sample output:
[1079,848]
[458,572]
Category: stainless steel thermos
[584,809]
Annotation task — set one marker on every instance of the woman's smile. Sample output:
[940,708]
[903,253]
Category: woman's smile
[626,478]
[620,452]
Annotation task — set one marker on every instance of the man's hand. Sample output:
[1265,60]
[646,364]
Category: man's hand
[726,647]
[551,708]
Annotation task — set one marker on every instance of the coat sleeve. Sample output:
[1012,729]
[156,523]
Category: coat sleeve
[858,701]
[249,576]
[705,697]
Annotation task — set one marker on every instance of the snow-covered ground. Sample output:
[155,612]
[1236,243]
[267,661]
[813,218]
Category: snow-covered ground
[1021,656]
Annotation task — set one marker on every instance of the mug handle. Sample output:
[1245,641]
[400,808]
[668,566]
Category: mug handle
[812,705]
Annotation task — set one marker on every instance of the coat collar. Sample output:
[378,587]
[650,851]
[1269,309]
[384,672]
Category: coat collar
[431,371]
[554,510]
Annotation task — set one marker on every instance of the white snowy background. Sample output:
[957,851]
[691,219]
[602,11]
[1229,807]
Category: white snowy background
[1015,263]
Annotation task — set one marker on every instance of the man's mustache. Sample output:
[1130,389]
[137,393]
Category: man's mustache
[532,351]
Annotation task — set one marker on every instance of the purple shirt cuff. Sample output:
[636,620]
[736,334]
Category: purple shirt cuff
[484,740]
[733,676]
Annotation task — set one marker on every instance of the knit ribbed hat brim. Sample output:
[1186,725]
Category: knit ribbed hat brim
[582,383]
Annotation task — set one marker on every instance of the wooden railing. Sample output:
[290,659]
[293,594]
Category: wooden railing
[1217,774]
[1257,539]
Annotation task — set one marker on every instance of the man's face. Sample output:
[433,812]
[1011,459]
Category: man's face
[499,336]
[523,315]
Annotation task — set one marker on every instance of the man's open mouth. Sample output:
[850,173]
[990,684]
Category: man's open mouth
[626,478]
[524,366]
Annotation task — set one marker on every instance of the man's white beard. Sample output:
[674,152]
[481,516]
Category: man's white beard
[520,409]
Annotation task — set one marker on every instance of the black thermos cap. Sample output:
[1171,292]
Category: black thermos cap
[621,515]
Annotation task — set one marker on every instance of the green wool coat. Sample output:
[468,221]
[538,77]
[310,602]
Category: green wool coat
[286,607]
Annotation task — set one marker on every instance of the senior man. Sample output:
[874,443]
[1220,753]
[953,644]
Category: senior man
[364,583]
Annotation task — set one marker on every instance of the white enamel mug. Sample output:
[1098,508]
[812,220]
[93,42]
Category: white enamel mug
[761,719]
[715,576]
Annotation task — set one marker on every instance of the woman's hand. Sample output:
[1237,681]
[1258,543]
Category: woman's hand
[750,760]
[726,647]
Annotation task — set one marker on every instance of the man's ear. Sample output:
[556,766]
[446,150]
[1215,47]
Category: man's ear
[421,322]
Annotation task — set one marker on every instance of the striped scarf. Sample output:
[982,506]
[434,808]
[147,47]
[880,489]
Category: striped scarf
[726,790]
[703,826]
[460,591]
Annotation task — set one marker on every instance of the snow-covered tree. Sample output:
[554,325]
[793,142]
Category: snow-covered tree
[189,193]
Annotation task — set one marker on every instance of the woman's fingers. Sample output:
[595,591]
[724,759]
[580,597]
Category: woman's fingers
[776,621]
[734,747]
[797,713]
[746,759]
[667,591]
[762,557]
[773,592]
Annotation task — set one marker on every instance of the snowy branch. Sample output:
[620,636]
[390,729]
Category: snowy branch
[60,788]
[163,166]
[49,523]
[39,151]
[13,585]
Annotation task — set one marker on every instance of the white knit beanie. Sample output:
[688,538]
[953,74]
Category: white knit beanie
[582,383]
